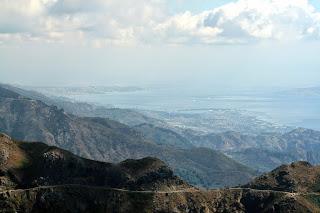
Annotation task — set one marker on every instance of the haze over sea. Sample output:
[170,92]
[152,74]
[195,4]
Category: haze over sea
[285,107]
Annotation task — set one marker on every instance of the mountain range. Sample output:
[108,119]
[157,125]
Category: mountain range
[261,150]
[28,165]
[36,177]
[156,137]
[30,119]
[266,151]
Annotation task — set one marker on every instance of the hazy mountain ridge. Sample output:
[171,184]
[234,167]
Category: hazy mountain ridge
[76,90]
[198,120]
[163,136]
[303,92]
[32,120]
[263,151]
[106,140]
[298,144]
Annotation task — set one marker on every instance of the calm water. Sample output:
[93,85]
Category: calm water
[289,110]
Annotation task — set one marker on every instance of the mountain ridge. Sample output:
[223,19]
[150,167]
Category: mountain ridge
[28,165]
[106,140]
[131,186]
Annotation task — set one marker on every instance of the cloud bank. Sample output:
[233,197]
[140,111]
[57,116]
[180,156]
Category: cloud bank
[113,22]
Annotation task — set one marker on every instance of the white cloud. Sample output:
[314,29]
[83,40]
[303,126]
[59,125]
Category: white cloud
[94,21]
[247,20]
[125,22]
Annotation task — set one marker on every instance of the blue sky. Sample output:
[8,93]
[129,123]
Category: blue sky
[195,6]
[315,3]
[269,43]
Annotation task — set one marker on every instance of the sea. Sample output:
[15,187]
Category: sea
[282,107]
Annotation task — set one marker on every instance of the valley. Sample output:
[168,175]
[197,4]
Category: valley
[213,169]
[185,139]
[159,106]
[107,140]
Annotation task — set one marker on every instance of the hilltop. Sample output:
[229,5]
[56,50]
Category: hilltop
[28,165]
[299,176]
[40,178]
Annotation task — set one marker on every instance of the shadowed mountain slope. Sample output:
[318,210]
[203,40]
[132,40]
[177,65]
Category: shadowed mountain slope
[82,109]
[163,136]
[25,165]
[106,140]
[265,151]
[40,178]
[262,152]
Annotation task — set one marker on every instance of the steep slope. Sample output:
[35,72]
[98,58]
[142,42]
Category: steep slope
[25,165]
[262,152]
[235,141]
[305,143]
[81,109]
[211,169]
[163,136]
[106,140]
[32,120]
[265,151]
[262,159]
[208,121]
[39,178]
[296,177]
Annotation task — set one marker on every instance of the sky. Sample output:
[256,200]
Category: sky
[210,43]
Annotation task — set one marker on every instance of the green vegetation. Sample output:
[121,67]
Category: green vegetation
[314,199]
[316,187]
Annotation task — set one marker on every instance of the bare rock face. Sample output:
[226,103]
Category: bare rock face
[4,155]
[6,145]
[52,156]
[4,149]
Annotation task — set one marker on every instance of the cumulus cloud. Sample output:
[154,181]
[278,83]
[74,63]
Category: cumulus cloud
[245,21]
[125,22]
[95,21]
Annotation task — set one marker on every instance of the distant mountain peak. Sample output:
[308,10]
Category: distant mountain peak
[302,130]
[5,93]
